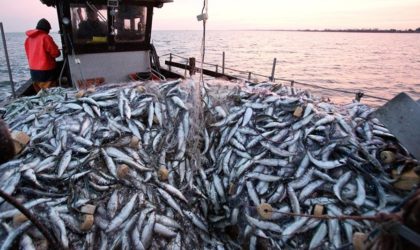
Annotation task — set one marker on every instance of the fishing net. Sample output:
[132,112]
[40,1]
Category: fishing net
[173,165]
[283,153]
[127,150]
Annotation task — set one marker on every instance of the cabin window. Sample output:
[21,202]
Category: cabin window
[90,24]
[130,23]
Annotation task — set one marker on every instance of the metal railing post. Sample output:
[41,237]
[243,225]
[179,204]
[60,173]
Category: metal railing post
[359,95]
[223,63]
[186,65]
[170,60]
[273,70]
[292,87]
[7,60]
[192,66]
[217,68]
[249,76]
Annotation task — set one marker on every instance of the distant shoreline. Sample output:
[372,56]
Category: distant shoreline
[349,30]
[366,31]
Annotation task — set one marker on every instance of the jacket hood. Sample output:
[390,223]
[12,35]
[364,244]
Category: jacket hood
[35,32]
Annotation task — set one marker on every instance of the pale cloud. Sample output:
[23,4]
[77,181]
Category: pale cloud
[20,15]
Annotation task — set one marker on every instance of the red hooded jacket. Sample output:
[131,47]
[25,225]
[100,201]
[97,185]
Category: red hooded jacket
[41,50]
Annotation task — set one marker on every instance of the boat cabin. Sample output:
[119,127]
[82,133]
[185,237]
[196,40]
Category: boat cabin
[107,40]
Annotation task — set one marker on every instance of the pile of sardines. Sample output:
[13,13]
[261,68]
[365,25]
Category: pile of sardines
[170,165]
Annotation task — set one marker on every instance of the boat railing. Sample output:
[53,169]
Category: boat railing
[7,60]
[249,75]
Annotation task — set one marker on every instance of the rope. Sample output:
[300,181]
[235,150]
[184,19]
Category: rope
[62,71]
[178,56]
[331,89]
[328,217]
[380,217]
[203,41]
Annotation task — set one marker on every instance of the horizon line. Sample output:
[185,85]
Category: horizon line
[373,30]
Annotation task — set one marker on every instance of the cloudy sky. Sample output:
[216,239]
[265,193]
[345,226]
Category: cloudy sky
[21,15]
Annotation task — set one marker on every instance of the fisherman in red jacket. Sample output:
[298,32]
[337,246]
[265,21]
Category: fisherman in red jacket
[41,51]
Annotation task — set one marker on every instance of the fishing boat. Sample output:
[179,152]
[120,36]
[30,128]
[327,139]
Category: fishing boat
[136,167]
[123,53]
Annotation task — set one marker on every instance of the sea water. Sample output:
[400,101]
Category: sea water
[379,64]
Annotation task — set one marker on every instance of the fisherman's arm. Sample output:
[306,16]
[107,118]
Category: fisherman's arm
[51,47]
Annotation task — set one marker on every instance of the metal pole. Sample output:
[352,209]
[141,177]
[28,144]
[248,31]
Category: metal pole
[249,76]
[192,66]
[273,70]
[359,96]
[292,87]
[170,60]
[217,68]
[223,63]
[7,60]
[185,68]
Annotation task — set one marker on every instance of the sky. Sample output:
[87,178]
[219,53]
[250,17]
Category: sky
[21,15]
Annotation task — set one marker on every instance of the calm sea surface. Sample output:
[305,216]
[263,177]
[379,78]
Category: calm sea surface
[379,64]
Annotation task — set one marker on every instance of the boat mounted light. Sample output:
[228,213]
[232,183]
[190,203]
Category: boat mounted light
[66,21]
